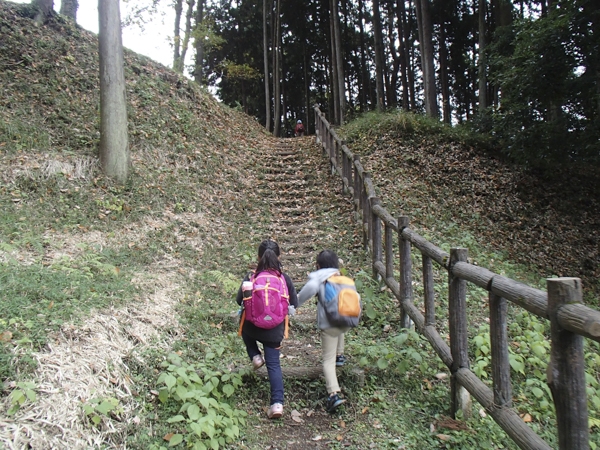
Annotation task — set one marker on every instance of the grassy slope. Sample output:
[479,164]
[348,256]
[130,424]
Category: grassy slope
[72,241]
[549,223]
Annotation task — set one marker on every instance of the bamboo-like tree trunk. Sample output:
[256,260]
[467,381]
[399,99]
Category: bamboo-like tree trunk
[378,37]
[114,142]
[199,44]
[444,75]
[334,69]
[69,8]
[426,33]
[177,35]
[187,33]
[404,59]
[365,80]
[483,103]
[277,71]
[339,62]
[266,65]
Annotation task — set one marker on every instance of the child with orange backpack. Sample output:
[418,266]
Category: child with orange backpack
[338,310]
[267,295]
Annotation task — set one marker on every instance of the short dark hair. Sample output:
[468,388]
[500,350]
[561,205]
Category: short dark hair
[328,259]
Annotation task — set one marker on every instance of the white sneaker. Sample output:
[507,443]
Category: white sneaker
[275,411]
[258,362]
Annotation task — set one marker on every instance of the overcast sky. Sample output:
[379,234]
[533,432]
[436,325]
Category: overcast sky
[153,42]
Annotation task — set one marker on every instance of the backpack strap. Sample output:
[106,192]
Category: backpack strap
[242,320]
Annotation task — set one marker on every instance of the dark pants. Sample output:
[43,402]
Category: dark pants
[273,366]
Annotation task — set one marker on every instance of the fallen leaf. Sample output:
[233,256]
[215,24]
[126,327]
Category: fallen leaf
[5,336]
[526,418]
[365,410]
[443,437]
[339,437]
[342,424]
[168,436]
[317,438]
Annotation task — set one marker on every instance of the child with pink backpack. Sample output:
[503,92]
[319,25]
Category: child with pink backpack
[266,296]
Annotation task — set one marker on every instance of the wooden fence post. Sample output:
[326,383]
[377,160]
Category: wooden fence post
[317,124]
[366,212]
[566,372]
[375,228]
[459,344]
[406,291]
[499,343]
[357,185]
[429,291]
[389,251]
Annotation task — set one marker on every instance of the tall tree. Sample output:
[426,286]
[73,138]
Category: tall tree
[277,70]
[338,61]
[177,35]
[69,8]
[199,42]
[378,41]
[427,56]
[266,61]
[114,142]
[483,102]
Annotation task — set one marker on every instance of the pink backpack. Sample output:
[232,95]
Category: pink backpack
[268,305]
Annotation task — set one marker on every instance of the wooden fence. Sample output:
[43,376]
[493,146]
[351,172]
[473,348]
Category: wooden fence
[570,320]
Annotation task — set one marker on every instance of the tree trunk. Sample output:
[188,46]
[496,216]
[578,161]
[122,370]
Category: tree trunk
[45,9]
[277,72]
[266,67]
[334,69]
[483,103]
[114,142]
[69,8]
[365,79]
[339,62]
[446,113]
[306,92]
[199,44]
[404,58]
[187,33]
[431,107]
[177,36]
[392,93]
[378,55]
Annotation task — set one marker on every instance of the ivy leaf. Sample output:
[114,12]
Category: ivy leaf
[193,412]
[228,390]
[104,408]
[537,392]
[382,363]
[177,418]
[170,381]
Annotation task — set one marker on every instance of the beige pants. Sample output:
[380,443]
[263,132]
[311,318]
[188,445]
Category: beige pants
[332,342]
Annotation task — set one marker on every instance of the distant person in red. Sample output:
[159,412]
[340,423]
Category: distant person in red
[299,130]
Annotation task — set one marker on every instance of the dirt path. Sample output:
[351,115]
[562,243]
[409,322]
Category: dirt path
[308,215]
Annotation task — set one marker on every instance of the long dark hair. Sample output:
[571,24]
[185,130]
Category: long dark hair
[268,254]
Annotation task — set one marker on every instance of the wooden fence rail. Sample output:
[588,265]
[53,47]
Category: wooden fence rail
[570,320]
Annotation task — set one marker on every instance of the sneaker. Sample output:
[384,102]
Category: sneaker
[258,362]
[340,360]
[333,402]
[275,411]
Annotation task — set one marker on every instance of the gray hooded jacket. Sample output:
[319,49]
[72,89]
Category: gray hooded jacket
[316,286]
